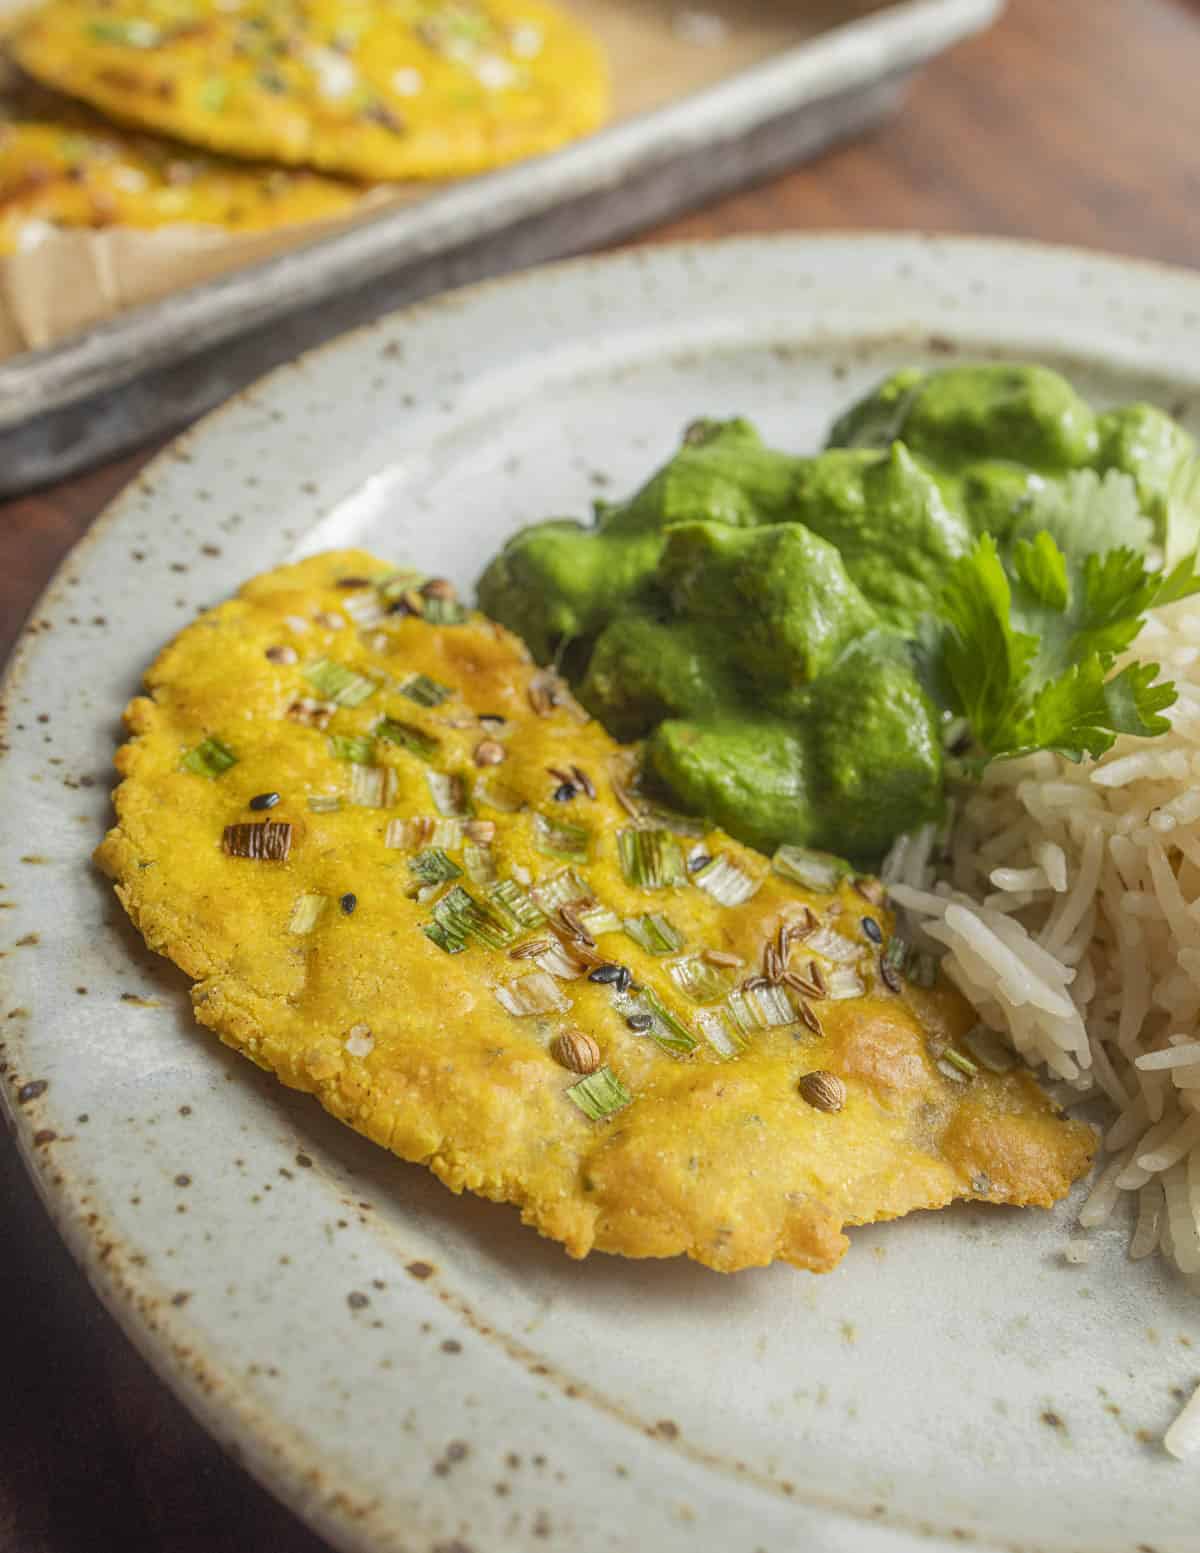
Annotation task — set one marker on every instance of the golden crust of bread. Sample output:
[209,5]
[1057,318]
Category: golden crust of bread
[378,90]
[721,1160]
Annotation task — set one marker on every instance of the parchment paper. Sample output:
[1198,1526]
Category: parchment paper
[658,51]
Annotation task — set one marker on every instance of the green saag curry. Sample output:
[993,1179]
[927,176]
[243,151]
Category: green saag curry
[793,636]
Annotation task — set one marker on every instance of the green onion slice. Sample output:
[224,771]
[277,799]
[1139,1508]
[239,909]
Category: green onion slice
[514,900]
[556,959]
[445,612]
[814,870]
[721,1031]
[306,913]
[537,993]
[727,882]
[424,691]
[598,918]
[654,933]
[409,737]
[600,1095]
[210,758]
[335,682]
[498,795]
[843,983]
[668,1030]
[651,859]
[433,867]
[343,746]
[895,956]
[451,793]
[468,918]
[324,803]
[700,981]
[444,937]
[762,1008]
[559,838]
[956,1059]
[396,584]
[480,863]
[373,787]
[560,889]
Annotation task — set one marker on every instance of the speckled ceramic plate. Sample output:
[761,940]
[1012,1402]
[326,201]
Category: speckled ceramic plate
[416,1372]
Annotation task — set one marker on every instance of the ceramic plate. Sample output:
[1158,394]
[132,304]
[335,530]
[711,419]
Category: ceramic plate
[414,1371]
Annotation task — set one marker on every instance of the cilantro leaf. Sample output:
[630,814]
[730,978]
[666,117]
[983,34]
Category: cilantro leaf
[1030,637]
[1085,514]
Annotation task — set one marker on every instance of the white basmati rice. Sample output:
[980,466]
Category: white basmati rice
[1070,916]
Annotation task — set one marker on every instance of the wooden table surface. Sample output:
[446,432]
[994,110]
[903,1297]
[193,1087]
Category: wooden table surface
[1073,121]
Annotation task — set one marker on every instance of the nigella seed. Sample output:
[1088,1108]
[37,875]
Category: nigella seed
[348,903]
[624,980]
[639,1021]
[264,800]
[698,861]
[564,792]
[608,974]
[872,929]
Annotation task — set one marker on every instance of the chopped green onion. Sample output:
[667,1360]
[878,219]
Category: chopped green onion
[136,34]
[324,803]
[922,972]
[651,859]
[600,1095]
[214,93]
[721,1031]
[365,609]
[396,584]
[518,903]
[762,1008]
[467,918]
[425,691]
[480,863]
[667,1031]
[372,787]
[451,793]
[415,740]
[598,918]
[444,937]
[343,746]
[894,958]
[727,882]
[814,870]
[263,841]
[536,993]
[989,1049]
[210,758]
[831,945]
[433,867]
[654,933]
[698,980]
[560,890]
[844,983]
[445,612]
[335,682]
[423,830]
[498,795]
[556,959]
[559,838]
[306,913]
[957,1060]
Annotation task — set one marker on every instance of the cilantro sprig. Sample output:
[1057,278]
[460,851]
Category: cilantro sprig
[1030,634]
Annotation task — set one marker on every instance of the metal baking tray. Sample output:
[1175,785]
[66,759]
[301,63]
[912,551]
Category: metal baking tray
[150,370]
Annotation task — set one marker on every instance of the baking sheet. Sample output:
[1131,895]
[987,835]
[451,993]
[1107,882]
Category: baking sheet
[705,100]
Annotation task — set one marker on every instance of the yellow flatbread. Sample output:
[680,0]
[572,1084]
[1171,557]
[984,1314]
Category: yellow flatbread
[61,165]
[402,869]
[378,90]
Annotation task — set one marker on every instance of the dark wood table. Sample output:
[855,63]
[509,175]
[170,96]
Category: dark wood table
[1073,121]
